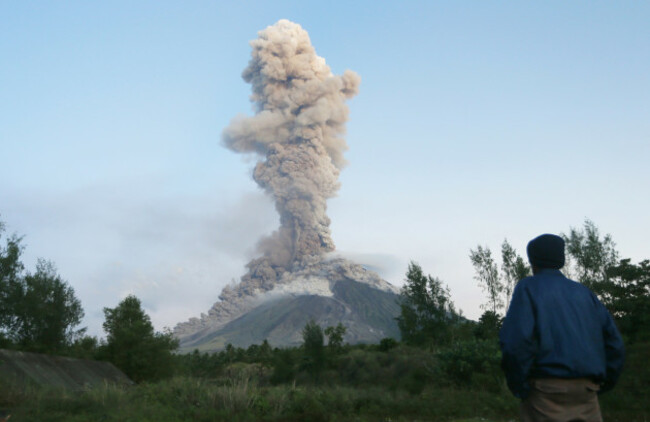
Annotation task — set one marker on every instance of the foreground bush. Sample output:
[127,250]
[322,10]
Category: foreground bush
[473,364]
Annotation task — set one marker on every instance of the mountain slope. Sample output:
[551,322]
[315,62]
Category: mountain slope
[368,314]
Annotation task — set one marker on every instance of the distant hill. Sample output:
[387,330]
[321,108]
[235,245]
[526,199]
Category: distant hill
[367,312]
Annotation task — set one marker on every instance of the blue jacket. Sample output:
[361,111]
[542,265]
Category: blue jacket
[558,328]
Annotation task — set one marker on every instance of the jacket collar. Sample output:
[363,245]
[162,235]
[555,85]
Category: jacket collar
[550,272]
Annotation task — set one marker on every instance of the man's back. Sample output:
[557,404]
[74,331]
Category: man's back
[564,321]
[559,343]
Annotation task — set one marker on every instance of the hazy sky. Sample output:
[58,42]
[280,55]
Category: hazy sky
[476,121]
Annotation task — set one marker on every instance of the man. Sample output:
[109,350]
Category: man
[559,343]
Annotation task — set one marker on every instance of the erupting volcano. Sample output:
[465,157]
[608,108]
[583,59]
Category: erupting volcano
[297,131]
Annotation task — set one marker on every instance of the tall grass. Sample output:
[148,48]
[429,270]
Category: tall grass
[184,399]
[242,392]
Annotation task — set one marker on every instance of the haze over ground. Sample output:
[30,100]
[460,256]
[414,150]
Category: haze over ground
[473,123]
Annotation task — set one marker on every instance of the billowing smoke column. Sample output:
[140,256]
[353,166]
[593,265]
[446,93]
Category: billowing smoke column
[297,129]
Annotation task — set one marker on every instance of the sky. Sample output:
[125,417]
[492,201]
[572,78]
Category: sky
[475,122]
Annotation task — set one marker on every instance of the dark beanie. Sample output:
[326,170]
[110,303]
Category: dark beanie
[546,251]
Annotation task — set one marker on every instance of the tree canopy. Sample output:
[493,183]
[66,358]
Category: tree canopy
[314,347]
[498,285]
[133,345]
[427,311]
[487,274]
[589,255]
[38,311]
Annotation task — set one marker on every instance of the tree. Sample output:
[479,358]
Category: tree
[262,353]
[387,343]
[265,355]
[11,269]
[488,326]
[48,312]
[133,346]
[626,293]
[314,348]
[427,311]
[498,286]
[487,275]
[623,287]
[591,255]
[232,354]
[84,347]
[513,268]
[38,312]
[335,337]
[283,366]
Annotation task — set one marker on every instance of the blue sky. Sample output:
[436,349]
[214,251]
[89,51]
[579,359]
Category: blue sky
[475,122]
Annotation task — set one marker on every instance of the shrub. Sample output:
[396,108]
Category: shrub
[465,362]
[387,344]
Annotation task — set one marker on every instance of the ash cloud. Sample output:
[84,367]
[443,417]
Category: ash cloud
[297,132]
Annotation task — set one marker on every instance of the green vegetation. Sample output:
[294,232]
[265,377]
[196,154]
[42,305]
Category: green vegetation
[446,368]
[39,311]
[244,399]
[623,287]
[591,259]
[590,255]
[499,286]
[335,337]
[625,293]
[427,312]
[487,275]
[362,384]
[133,346]
[314,349]
[513,269]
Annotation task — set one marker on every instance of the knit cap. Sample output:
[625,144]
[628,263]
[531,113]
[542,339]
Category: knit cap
[546,251]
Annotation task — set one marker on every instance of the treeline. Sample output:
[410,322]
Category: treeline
[39,312]
[322,362]
[438,345]
[429,318]
[444,367]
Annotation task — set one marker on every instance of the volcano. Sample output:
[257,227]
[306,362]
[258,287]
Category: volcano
[332,292]
[297,132]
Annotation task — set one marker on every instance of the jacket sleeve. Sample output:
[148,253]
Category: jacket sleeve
[614,350]
[518,342]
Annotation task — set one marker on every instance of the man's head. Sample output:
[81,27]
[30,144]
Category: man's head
[546,251]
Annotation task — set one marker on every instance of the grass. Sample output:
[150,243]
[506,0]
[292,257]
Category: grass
[182,399]
[242,393]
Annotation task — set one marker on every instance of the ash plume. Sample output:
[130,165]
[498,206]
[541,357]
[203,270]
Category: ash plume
[297,133]
[297,130]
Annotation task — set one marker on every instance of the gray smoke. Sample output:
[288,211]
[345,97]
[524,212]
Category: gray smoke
[297,131]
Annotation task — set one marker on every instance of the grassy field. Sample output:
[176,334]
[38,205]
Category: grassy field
[183,399]
[242,393]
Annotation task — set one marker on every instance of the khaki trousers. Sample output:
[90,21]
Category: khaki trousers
[561,400]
